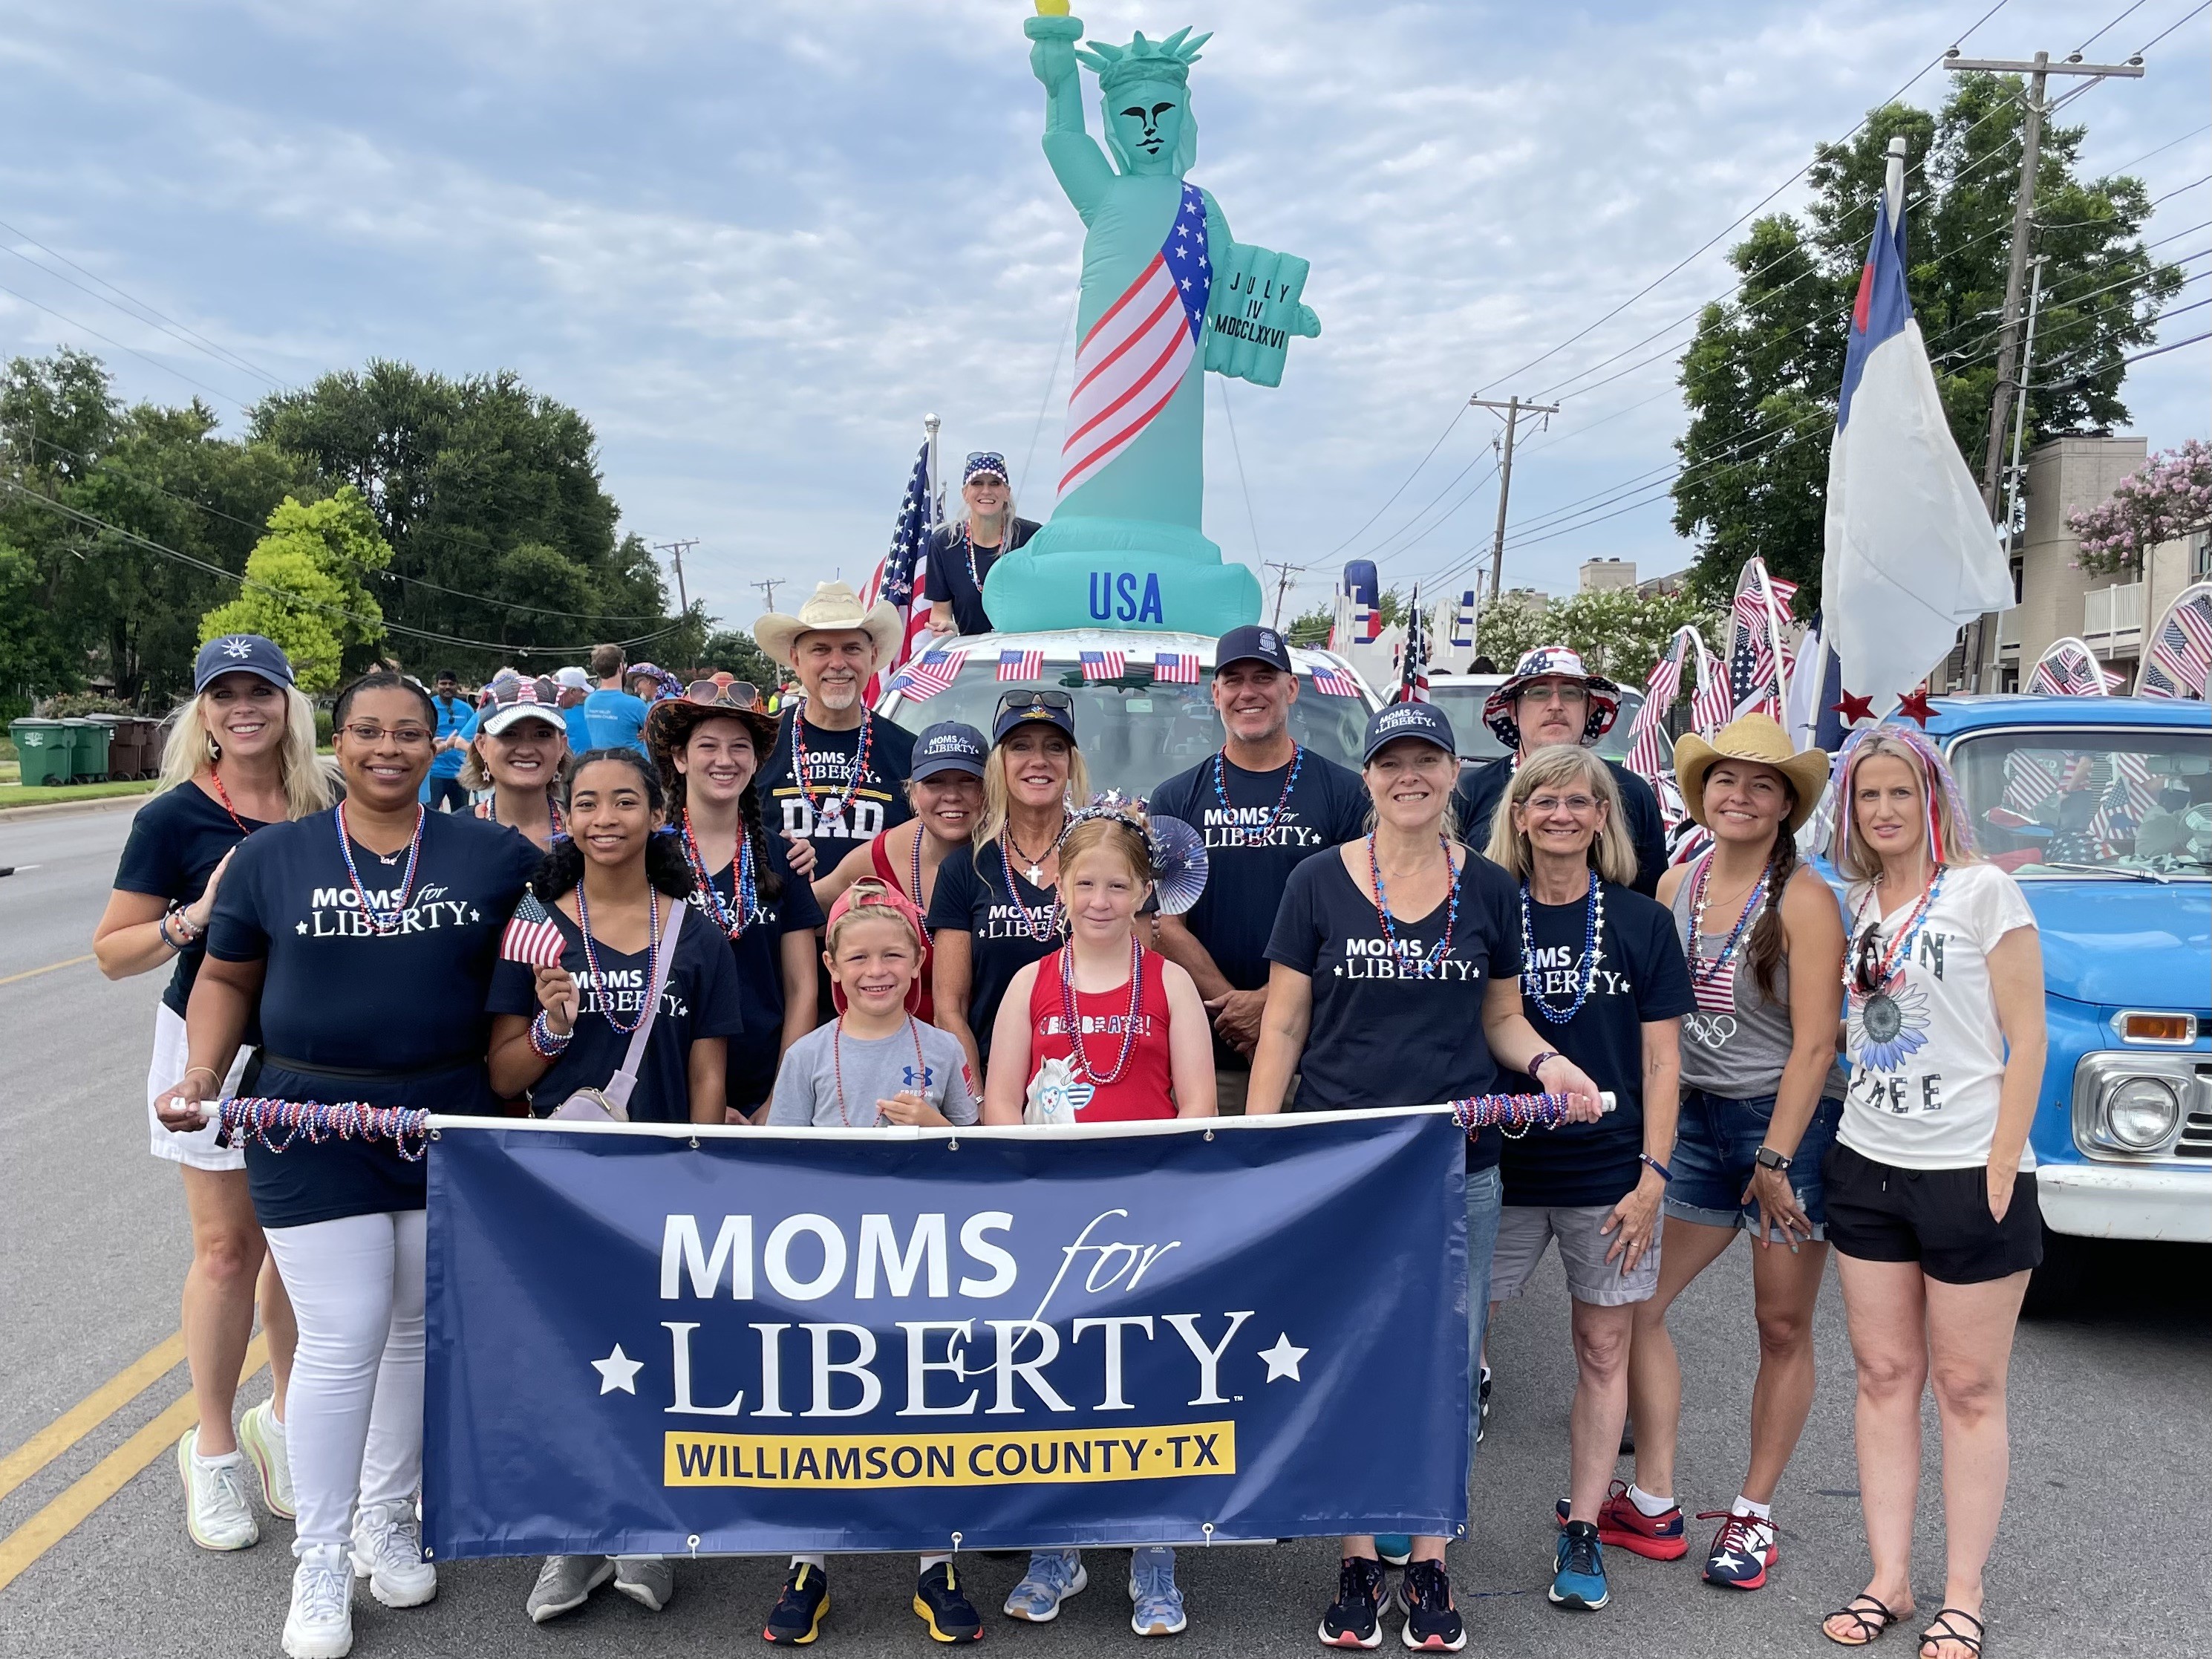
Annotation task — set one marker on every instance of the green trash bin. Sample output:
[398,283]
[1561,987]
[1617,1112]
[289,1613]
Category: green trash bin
[89,739]
[44,746]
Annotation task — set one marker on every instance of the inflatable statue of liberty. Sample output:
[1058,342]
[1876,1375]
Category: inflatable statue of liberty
[1167,294]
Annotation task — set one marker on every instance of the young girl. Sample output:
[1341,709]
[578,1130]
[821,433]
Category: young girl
[1135,1029]
[875,1063]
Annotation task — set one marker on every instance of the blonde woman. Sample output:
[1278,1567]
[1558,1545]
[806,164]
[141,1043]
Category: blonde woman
[240,754]
[516,746]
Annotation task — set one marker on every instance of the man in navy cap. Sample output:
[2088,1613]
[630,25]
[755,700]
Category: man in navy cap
[1265,803]
[961,555]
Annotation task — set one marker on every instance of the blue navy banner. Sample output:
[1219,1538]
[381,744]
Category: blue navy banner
[653,1340]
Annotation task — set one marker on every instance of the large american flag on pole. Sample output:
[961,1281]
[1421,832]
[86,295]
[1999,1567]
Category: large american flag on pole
[1413,671]
[1134,358]
[2180,653]
[899,578]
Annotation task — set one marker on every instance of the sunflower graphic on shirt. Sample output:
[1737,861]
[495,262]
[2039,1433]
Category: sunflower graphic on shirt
[1888,1025]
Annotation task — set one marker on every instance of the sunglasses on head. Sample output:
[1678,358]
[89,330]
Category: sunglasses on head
[723,692]
[1019,702]
[1867,966]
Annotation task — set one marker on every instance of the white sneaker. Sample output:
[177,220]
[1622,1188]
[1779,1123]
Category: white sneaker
[387,1550]
[261,1438]
[320,1623]
[216,1512]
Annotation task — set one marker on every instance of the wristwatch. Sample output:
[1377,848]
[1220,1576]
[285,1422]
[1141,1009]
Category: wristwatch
[1767,1159]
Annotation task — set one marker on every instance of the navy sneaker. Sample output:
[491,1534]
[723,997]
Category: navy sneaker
[796,1617]
[1743,1549]
[1354,1618]
[1578,1569]
[944,1607]
[1432,1623]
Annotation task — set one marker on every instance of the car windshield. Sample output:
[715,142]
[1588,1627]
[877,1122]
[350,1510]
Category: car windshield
[2065,803]
[1462,700]
[1135,733]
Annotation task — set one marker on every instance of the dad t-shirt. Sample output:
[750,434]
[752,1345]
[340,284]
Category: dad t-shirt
[1479,791]
[1009,924]
[920,1058]
[699,1000]
[757,954]
[1390,1028]
[615,720]
[1640,978]
[1252,845]
[176,841]
[842,814]
[947,576]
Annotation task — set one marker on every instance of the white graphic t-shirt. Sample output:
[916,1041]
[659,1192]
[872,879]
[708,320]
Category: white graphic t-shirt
[1926,1054]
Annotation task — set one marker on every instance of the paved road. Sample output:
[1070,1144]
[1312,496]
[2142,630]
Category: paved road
[2111,1421]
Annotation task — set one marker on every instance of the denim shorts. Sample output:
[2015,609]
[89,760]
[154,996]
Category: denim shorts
[1715,1151]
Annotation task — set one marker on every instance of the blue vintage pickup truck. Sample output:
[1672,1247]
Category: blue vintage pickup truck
[2102,808]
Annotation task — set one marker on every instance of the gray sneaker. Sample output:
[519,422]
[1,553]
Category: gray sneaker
[648,1580]
[564,1584]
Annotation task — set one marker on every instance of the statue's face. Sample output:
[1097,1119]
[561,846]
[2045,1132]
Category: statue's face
[1147,120]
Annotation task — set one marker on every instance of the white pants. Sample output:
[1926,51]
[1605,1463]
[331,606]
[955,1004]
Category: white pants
[353,1421]
[196,1147]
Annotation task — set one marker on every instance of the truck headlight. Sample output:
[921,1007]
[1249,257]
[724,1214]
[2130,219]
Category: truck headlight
[2142,1113]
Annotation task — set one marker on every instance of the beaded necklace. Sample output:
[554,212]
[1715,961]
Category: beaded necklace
[837,1066]
[1035,870]
[1068,1012]
[1713,984]
[215,777]
[1900,944]
[1014,893]
[802,760]
[383,923]
[652,956]
[1275,817]
[967,543]
[553,831]
[732,918]
[1442,948]
[928,933]
[1593,928]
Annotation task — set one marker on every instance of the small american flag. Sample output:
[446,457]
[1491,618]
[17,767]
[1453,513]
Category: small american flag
[2181,654]
[2127,800]
[1757,659]
[2068,670]
[1104,664]
[1021,665]
[532,935]
[1175,667]
[1647,757]
[1329,682]
[929,674]
[899,577]
[2031,779]
[1414,670]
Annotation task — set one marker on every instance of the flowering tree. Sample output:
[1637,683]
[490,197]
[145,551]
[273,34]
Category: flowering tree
[2169,498]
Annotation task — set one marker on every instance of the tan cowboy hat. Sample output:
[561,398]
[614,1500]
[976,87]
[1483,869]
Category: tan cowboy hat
[833,605]
[1753,737]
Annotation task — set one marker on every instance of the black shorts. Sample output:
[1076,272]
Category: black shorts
[1938,1217]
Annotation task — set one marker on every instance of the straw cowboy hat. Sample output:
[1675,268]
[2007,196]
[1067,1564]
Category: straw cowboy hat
[833,605]
[1751,737]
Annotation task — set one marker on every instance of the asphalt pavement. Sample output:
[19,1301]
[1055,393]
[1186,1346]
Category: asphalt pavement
[2111,1427]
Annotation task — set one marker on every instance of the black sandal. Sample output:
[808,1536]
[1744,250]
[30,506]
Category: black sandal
[1943,1631]
[1872,1620]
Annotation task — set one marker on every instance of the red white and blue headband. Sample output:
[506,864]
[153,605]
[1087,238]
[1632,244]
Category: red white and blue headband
[1935,778]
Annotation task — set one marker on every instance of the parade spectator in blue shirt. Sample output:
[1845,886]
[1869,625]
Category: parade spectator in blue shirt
[443,789]
[575,685]
[614,718]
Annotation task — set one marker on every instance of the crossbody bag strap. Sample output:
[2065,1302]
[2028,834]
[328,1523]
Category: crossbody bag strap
[620,1085]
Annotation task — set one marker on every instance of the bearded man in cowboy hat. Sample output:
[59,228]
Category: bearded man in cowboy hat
[1551,698]
[837,777]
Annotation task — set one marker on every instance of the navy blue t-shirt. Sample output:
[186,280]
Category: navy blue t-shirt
[947,576]
[1480,790]
[406,1008]
[756,954]
[176,841]
[1640,979]
[1386,1030]
[700,1000]
[876,802]
[1002,916]
[1250,849]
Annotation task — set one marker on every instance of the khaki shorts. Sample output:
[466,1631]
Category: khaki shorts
[1524,1231]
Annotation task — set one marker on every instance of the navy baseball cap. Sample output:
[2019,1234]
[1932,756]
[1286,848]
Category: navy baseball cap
[948,746]
[1019,708]
[1253,643]
[1395,721]
[240,653]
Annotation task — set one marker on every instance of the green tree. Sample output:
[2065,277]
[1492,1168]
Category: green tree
[305,586]
[733,649]
[1621,633]
[1762,374]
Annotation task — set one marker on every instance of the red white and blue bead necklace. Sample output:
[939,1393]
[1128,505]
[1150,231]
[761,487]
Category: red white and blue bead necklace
[1708,974]
[652,956]
[1593,929]
[733,917]
[1275,817]
[276,1124]
[802,760]
[1068,1013]
[383,922]
[1442,948]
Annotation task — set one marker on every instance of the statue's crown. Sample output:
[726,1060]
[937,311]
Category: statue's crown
[1168,60]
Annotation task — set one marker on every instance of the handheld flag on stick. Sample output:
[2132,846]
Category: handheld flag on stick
[532,935]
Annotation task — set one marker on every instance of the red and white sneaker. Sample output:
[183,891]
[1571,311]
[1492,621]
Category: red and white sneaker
[1744,1550]
[1620,1523]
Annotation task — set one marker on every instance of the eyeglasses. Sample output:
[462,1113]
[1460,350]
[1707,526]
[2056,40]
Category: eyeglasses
[723,692]
[407,736]
[1578,804]
[1574,696]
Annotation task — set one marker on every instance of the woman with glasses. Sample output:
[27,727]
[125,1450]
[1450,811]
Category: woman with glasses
[240,756]
[367,936]
[996,908]
[517,748]
[709,745]
[1761,1096]
[1396,982]
[961,555]
[1931,1184]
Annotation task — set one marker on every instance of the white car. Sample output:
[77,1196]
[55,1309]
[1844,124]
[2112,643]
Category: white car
[1135,730]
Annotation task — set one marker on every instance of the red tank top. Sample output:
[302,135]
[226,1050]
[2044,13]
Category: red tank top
[881,859]
[1145,1089]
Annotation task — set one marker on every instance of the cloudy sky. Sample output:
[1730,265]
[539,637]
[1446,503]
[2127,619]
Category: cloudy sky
[754,242]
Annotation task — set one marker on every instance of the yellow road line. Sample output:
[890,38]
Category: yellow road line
[89,1414]
[24,1545]
[32,973]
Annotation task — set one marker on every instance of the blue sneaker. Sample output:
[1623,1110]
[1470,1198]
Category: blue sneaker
[1158,1609]
[1054,1576]
[1394,1547]
[1578,1568]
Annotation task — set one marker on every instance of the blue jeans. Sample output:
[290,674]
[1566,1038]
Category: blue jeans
[1485,1191]
[1715,1148]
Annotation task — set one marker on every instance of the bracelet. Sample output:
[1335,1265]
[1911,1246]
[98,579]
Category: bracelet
[184,924]
[209,1070]
[1665,1174]
[161,931]
[1536,1065]
[546,1043]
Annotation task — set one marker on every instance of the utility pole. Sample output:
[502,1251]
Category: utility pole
[1514,409]
[675,550]
[1285,570]
[768,588]
[2020,404]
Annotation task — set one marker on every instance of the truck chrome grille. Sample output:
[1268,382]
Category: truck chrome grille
[2195,1138]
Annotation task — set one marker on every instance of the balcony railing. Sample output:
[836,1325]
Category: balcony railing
[2112,617]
